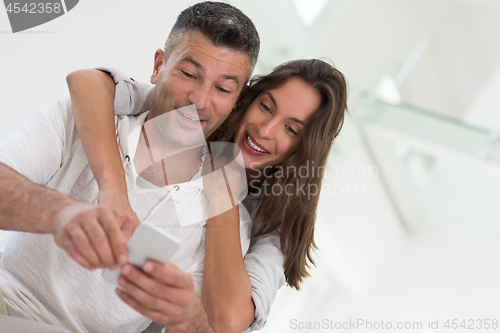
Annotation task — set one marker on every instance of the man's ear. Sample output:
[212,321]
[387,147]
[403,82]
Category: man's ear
[159,60]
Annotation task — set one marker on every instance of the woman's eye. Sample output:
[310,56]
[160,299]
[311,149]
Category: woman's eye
[290,129]
[265,107]
[186,74]
[225,91]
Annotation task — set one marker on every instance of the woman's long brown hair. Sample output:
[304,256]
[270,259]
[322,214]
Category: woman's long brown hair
[294,215]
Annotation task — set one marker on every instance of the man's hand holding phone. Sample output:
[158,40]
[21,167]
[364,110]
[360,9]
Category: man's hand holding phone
[94,236]
[165,294]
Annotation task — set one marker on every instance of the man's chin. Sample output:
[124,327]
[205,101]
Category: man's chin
[188,138]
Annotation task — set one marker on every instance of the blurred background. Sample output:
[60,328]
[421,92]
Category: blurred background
[408,227]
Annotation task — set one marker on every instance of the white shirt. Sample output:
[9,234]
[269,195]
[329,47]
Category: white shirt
[48,149]
[38,279]
[264,260]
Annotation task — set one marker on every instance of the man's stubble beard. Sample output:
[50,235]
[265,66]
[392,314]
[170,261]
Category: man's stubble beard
[163,129]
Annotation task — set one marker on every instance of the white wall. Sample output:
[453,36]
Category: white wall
[34,63]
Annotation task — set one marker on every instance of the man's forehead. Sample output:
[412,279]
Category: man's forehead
[198,50]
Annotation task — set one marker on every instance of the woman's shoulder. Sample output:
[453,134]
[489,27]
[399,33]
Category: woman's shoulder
[251,202]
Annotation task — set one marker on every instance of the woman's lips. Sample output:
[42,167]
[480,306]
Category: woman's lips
[250,149]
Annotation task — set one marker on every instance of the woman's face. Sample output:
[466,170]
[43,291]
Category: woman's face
[272,126]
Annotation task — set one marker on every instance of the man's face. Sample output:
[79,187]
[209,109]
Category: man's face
[199,73]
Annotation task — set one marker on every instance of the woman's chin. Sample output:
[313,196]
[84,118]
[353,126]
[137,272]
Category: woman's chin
[250,163]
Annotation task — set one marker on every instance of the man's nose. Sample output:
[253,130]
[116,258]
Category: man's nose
[201,96]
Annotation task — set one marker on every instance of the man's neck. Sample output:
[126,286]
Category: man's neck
[166,164]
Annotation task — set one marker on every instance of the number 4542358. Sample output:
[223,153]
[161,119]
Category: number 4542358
[34,8]
[471,324]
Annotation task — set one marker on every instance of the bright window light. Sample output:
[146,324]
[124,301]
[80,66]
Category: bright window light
[309,9]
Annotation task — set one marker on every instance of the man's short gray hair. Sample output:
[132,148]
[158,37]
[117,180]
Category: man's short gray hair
[223,24]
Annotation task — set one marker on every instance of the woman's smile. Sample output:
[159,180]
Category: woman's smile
[271,128]
[252,146]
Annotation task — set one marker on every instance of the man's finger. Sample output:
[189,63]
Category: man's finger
[155,316]
[82,246]
[169,274]
[149,301]
[99,241]
[115,236]
[76,256]
[153,286]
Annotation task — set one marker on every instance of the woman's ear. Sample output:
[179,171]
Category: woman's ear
[158,64]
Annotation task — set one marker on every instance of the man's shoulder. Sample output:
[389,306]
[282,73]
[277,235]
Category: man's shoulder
[58,111]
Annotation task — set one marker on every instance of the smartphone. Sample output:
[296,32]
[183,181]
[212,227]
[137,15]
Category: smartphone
[146,243]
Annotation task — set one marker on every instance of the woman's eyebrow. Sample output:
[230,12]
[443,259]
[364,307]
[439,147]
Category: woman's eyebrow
[275,105]
[298,121]
[272,98]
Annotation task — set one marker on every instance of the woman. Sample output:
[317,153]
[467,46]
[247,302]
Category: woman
[282,121]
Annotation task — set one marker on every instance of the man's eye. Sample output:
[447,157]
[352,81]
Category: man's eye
[186,74]
[265,107]
[225,91]
[290,129]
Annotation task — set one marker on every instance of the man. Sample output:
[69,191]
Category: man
[39,280]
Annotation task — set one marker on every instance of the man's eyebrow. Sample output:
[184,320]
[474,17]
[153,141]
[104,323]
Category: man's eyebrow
[231,77]
[194,62]
[275,105]
[200,67]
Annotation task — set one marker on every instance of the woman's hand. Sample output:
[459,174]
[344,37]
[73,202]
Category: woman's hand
[227,292]
[92,95]
[117,201]
[224,182]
